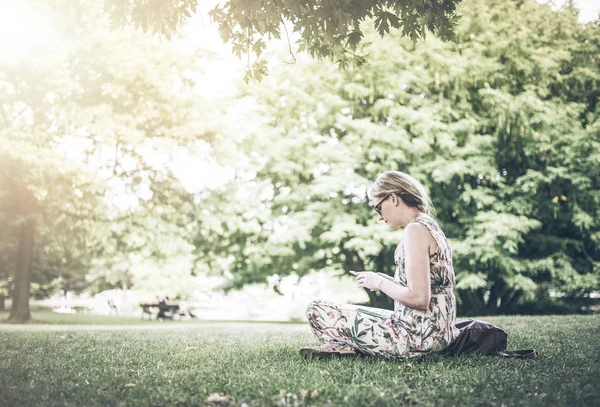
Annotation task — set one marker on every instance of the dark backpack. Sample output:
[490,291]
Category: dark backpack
[486,338]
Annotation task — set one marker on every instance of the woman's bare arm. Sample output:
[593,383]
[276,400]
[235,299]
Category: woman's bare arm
[387,277]
[417,293]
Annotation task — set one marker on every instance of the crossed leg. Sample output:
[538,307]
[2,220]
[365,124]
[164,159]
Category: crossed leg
[370,331]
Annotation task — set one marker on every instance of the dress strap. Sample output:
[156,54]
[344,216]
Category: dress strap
[435,231]
[419,218]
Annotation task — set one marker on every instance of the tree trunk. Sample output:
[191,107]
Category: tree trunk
[514,299]
[20,297]
[2,304]
[495,300]
[472,302]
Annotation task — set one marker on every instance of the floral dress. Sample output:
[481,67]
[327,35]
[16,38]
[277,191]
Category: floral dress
[406,331]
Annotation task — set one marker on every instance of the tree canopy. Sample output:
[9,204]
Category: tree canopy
[500,124]
[331,29]
[88,131]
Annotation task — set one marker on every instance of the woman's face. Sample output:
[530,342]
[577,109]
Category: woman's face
[393,211]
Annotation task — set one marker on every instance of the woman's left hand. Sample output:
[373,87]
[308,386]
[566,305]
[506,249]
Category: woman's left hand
[369,280]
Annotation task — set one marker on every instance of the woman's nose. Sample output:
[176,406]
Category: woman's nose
[380,217]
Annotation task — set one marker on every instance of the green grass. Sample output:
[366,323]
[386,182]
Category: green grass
[257,364]
[49,317]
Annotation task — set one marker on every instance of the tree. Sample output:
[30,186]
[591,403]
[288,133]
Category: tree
[326,29]
[501,126]
[6,252]
[92,127]
[527,232]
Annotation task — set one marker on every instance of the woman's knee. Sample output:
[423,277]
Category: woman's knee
[316,308]
[311,308]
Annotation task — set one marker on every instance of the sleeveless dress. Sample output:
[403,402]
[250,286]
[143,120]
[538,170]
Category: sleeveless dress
[404,332]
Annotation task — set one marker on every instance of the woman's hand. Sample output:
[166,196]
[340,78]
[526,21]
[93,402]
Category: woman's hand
[369,280]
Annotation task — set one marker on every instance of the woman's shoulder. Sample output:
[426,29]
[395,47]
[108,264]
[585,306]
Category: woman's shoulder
[425,220]
[416,230]
[430,225]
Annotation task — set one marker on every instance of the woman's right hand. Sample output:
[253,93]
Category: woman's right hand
[387,277]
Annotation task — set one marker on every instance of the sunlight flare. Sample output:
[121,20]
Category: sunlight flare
[25,30]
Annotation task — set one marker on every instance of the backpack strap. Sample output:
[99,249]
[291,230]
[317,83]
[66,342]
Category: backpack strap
[517,354]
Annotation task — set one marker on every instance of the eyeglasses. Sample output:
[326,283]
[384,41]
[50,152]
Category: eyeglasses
[378,206]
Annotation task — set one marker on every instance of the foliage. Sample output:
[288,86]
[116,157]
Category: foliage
[501,126]
[325,29]
[88,131]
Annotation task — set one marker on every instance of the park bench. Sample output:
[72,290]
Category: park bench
[165,311]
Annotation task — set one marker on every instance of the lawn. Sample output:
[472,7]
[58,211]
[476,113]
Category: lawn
[96,361]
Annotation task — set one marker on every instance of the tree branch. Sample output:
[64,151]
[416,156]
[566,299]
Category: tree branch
[8,178]
[116,155]
[93,218]
[287,35]
[248,48]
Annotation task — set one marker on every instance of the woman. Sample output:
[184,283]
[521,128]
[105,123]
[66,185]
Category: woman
[424,303]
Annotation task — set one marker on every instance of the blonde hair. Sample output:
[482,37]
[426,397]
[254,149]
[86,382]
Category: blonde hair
[407,188]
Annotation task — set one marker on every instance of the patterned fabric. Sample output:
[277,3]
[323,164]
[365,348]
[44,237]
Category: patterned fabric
[404,332]
[371,331]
